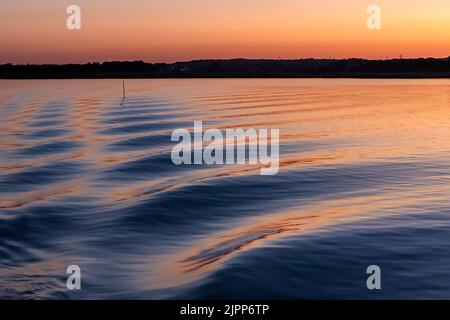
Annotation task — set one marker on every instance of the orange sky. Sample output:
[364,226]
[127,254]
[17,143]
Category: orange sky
[171,30]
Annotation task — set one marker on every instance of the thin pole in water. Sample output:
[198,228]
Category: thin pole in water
[123,88]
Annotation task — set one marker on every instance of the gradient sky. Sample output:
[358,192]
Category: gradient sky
[170,30]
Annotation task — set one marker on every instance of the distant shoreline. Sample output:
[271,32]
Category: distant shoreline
[422,68]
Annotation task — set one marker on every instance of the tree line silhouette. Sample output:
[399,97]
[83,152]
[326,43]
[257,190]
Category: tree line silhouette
[237,68]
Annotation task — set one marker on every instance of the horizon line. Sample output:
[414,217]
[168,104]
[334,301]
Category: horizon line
[400,57]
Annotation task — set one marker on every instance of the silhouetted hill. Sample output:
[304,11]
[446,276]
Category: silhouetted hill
[238,68]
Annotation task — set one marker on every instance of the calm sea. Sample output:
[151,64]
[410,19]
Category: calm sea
[88,180]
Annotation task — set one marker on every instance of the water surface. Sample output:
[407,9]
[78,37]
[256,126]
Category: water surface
[87,180]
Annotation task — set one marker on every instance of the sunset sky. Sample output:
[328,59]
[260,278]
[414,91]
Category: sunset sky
[173,30]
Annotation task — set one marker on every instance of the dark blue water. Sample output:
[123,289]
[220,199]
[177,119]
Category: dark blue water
[87,180]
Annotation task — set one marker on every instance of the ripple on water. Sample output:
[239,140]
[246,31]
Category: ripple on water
[87,179]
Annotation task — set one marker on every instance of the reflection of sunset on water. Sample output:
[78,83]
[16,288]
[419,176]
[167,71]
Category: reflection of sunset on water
[86,178]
